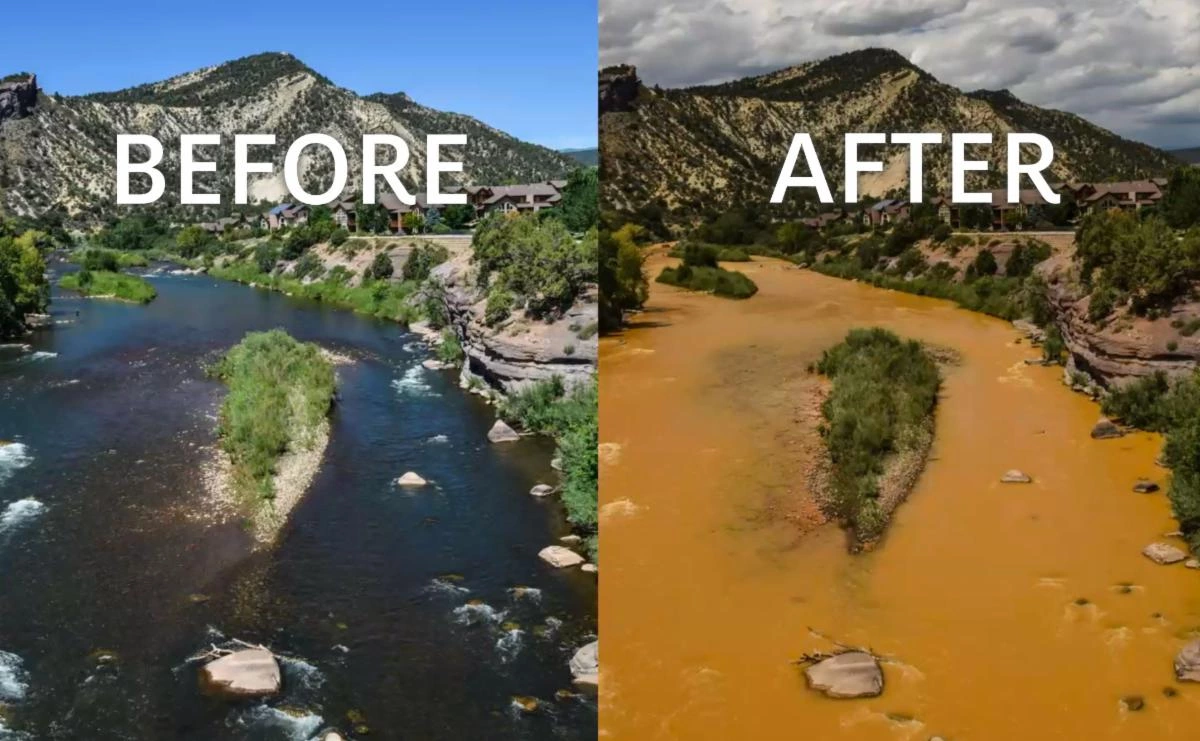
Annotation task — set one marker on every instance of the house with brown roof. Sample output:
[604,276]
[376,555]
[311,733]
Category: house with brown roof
[1130,195]
[345,214]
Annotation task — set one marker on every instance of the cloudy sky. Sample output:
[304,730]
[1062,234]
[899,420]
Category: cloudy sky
[1132,66]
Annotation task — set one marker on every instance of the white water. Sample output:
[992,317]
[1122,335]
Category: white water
[412,383]
[20,512]
[13,681]
[474,613]
[13,456]
[445,586]
[299,725]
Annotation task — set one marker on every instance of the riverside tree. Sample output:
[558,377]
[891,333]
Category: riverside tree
[23,287]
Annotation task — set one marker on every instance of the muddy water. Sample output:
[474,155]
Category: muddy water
[708,593]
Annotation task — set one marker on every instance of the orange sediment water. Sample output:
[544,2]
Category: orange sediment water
[972,596]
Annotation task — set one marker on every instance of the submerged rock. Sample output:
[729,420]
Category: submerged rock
[589,568]
[502,433]
[1192,563]
[411,479]
[1145,486]
[848,675]
[560,557]
[585,666]
[1187,663]
[1105,429]
[542,490]
[525,704]
[1133,703]
[333,736]
[1163,553]
[432,364]
[570,540]
[252,672]
[1015,476]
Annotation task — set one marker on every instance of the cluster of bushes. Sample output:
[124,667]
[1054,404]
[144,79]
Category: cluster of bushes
[382,299]
[882,401]
[531,262]
[570,416]
[1142,262]
[1172,407]
[423,259]
[623,285]
[23,286]
[699,272]
[280,391]
[106,283]
[110,260]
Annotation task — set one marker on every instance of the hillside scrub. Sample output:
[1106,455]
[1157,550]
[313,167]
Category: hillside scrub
[1159,404]
[110,260]
[23,286]
[532,263]
[1145,263]
[881,405]
[280,392]
[570,416]
[107,284]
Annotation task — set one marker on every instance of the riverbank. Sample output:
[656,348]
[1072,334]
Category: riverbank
[111,285]
[712,384]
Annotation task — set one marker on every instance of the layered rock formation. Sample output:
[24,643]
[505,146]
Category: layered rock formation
[520,350]
[18,97]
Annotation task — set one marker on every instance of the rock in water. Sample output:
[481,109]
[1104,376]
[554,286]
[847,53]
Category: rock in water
[410,479]
[333,736]
[560,557]
[1187,663]
[1163,553]
[1104,429]
[542,490]
[252,672]
[502,433]
[1015,476]
[848,675]
[1145,486]
[585,665]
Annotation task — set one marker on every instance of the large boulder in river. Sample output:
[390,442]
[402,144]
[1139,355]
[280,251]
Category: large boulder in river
[1015,476]
[585,665]
[560,557]
[1106,429]
[411,479]
[542,490]
[1163,553]
[1145,486]
[1187,663]
[847,675]
[502,433]
[251,672]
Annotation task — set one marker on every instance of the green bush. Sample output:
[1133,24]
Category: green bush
[105,283]
[718,281]
[622,280]
[882,401]
[535,260]
[280,391]
[381,267]
[339,237]
[500,302]
[421,260]
[449,350]
[570,417]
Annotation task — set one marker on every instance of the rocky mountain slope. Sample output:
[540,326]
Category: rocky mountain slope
[59,151]
[703,149]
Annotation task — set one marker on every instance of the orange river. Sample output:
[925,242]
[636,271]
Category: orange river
[706,597]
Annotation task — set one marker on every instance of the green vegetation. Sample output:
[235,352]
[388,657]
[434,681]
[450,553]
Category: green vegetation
[110,260]
[23,287]
[421,260]
[570,416]
[1143,262]
[579,209]
[881,404]
[699,272]
[449,350]
[532,262]
[280,391]
[1172,407]
[380,268]
[622,280]
[382,298]
[1181,204]
[105,284]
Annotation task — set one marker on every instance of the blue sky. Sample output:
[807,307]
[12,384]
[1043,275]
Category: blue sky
[527,68]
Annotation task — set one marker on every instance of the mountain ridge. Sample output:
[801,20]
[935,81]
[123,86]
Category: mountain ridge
[59,153]
[696,151]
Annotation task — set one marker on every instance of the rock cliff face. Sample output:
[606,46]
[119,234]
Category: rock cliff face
[520,350]
[1125,348]
[18,97]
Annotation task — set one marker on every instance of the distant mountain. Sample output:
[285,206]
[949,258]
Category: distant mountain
[697,151]
[589,157]
[59,152]
[1190,155]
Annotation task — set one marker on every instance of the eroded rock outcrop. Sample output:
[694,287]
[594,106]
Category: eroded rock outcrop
[17,97]
[252,672]
[519,350]
[1187,663]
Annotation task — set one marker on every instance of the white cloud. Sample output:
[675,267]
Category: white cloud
[1129,65]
